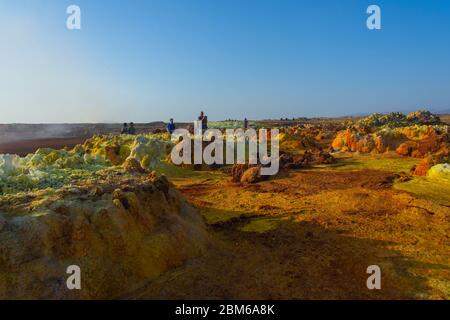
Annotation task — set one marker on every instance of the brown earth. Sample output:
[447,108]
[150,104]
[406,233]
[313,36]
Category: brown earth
[24,147]
[445,118]
[312,235]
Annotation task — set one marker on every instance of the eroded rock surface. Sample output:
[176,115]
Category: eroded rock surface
[122,232]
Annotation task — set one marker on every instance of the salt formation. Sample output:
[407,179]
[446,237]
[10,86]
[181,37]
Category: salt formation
[397,119]
[417,134]
[296,141]
[48,168]
[416,141]
[149,151]
[440,171]
[8,164]
[121,232]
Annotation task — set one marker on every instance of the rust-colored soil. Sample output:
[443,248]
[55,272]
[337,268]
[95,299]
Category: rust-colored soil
[23,147]
[312,235]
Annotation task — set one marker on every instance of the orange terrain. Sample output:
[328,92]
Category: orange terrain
[311,234]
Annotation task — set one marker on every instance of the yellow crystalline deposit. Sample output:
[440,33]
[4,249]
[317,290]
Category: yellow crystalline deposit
[440,171]
[148,150]
[54,168]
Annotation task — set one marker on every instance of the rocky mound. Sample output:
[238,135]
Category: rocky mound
[296,141]
[237,171]
[309,158]
[49,168]
[148,149]
[306,137]
[121,231]
[252,175]
[397,119]
[415,141]
[423,117]
[440,171]
[246,173]
[422,168]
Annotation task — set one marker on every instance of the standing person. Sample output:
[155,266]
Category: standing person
[245,123]
[171,126]
[131,129]
[124,128]
[204,119]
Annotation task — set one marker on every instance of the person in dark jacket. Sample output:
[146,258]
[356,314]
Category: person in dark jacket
[124,128]
[171,126]
[131,129]
[204,119]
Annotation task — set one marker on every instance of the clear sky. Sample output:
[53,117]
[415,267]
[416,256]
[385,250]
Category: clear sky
[151,60]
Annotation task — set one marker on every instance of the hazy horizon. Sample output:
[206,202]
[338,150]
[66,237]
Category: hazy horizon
[151,61]
[442,112]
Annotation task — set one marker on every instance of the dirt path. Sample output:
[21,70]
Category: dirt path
[311,235]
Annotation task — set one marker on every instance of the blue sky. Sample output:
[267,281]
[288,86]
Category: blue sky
[151,60]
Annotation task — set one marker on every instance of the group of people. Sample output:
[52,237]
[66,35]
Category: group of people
[202,117]
[128,128]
